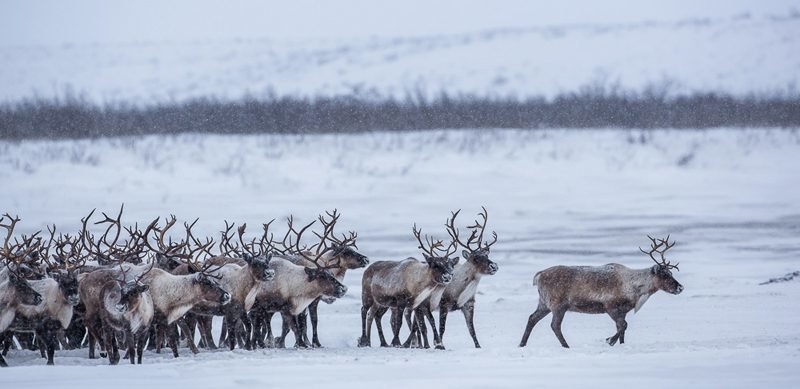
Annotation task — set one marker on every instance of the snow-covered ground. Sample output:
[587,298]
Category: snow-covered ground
[729,198]
[147,54]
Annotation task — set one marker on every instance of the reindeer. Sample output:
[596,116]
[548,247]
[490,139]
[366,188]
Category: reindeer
[613,289]
[342,253]
[459,294]
[14,288]
[174,295]
[60,295]
[116,303]
[242,279]
[296,287]
[405,285]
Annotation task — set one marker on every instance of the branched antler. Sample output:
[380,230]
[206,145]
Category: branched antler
[430,245]
[660,246]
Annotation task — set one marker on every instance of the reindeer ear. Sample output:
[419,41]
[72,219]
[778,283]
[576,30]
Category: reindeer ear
[465,254]
[268,257]
[310,273]
[144,288]
[247,258]
[13,278]
[428,259]
[453,261]
[654,269]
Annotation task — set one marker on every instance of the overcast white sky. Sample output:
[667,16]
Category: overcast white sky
[25,22]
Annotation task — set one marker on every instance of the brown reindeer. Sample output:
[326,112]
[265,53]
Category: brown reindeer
[114,302]
[297,286]
[613,289]
[337,251]
[459,294]
[406,284]
[14,288]
[174,295]
[242,277]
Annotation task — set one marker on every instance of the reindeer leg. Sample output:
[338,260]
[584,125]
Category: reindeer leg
[555,324]
[223,334]
[292,322]
[396,321]
[152,337]
[189,335]
[622,325]
[172,337]
[204,326]
[141,339]
[370,317]
[379,325]
[268,326]
[414,338]
[414,328]
[539,314]
[437,338]
[443,311]
[131,341]
[364,341]
[312,313]
[248,329]
[302,325]
[108,340]
[91,338]
[469,313]
[420,314]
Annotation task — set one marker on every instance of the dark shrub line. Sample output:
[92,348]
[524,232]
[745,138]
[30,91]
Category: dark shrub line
[76,118]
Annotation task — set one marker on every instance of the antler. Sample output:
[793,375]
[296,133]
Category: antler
[433,245]
[453,232]
[225,246]
[168,249]
[478,226]
[250,247]
[198,245]
[655,244]
[20,251]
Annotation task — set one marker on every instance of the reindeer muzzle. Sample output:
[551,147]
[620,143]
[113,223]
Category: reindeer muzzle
[678,290]
[225,298]
[446,278]
[74,299]
[493,268]
[340,291]
[37,300]
[121,308]
[269,275]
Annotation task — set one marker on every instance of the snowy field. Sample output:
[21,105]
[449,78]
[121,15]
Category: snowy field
[505,48]
[729,198]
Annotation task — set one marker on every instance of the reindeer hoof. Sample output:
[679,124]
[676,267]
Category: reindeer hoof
[363,342]
[611,341]
[440,347]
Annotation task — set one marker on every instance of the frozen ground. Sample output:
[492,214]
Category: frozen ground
[729,198]
[506,48]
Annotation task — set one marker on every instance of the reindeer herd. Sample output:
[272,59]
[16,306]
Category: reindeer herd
[130,288]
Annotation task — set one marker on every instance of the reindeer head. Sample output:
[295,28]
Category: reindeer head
[342,250]
[331,287]
[440,264]
[476,251]
[23,290]
[13,257]
[211,290]
[257,259]
[68,285]
[662,270]
[130,290]
[130,296]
